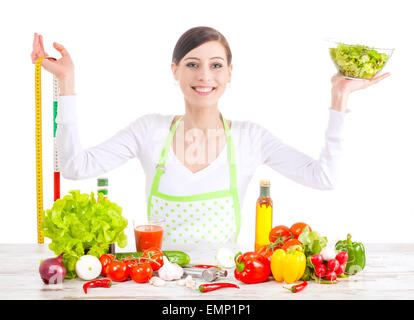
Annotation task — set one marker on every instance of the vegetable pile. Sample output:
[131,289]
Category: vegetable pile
[82,228]
[300,253]
[358,61]
[120,267]
[79,223]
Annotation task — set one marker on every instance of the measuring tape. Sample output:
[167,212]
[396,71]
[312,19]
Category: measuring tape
[39,160]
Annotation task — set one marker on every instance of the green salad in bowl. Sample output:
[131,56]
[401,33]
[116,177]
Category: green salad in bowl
[357,61]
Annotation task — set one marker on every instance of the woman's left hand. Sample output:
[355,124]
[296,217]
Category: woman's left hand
[341,88]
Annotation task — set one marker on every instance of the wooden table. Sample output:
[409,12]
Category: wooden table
[389,274]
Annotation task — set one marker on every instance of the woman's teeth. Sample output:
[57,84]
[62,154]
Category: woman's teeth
[203,89]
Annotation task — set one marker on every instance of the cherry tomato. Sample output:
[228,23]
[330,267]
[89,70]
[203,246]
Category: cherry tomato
[154,257]
[117,271]
[290,243]
[130,263]
[280,234]
[267,251]
[105,260]
[141,273]
[296,228]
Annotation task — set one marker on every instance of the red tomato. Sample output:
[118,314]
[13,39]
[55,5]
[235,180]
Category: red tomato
[154,257]
[266,251]
[290,243]
[280,234]
[130,264]
[141,273]
[117,271]
[296,228]
[105,260]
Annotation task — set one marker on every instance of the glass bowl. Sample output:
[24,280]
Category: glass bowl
[354,60]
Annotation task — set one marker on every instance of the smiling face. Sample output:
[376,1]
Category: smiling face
[203,74]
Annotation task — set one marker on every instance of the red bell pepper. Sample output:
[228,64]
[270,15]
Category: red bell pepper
[251,267]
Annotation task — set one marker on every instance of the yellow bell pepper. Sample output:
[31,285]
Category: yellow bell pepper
[288,266]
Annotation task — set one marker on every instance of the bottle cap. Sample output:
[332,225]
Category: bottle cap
[264,183]
[104,191]
[102,182]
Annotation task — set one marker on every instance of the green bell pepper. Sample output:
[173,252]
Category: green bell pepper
[356,254]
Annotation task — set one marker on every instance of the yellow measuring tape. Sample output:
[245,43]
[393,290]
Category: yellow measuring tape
[39,168]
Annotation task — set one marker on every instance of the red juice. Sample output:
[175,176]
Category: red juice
[148,236]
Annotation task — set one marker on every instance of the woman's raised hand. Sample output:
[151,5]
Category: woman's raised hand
[62,68]
[348,86]
[341,88]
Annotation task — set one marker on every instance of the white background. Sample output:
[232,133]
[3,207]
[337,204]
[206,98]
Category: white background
[281,79]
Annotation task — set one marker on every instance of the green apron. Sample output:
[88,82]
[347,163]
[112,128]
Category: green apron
[212,217]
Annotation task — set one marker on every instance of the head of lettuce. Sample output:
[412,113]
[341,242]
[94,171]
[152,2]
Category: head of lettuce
[78,223]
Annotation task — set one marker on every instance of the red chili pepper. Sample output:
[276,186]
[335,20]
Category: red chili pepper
[105,283]
[251,267]
[206,266]
[298,287]
[214,286]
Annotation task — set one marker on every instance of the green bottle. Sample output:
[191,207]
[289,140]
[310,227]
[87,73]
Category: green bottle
[103,188]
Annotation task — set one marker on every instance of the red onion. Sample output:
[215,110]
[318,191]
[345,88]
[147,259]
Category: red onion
[52,271]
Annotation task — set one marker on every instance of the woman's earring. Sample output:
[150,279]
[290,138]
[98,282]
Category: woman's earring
[228,85]
[176,83]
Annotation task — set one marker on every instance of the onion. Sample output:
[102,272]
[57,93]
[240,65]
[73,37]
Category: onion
[225,258]
[52,271]
[88,267]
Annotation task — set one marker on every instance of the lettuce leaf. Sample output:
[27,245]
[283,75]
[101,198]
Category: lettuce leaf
[78,223]
[312,241]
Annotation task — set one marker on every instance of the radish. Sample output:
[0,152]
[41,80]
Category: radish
[316,259]
[333,265]
[340,270]
[331,275]
[320,270]
[342,257]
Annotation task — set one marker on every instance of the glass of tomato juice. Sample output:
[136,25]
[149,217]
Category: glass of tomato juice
[149,235]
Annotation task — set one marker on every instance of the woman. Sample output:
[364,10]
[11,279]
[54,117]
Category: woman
[197,165]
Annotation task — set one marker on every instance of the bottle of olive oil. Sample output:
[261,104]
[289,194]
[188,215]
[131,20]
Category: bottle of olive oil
[264,214]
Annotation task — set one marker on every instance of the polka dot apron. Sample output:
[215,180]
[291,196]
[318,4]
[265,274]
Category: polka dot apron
[212,217]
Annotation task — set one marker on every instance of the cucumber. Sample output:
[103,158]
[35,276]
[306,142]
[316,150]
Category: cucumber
[178,257]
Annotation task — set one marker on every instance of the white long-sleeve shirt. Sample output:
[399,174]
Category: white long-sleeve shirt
[144,139]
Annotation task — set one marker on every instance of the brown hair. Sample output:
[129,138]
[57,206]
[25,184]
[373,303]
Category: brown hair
[195,37]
